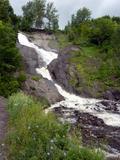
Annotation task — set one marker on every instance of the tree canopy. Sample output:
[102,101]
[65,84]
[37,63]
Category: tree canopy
[34,13]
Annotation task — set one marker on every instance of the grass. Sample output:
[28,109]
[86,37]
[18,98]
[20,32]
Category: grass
[34,135]
[96,68]
[62,40]
[36,78]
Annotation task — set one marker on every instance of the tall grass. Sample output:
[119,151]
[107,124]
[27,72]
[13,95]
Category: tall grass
[34,135]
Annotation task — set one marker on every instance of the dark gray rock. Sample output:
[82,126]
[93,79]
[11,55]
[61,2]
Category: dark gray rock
[42,88]
[112,95]
[58,69]
[30,59]
[93,129]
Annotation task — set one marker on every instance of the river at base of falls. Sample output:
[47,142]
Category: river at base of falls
[85,105]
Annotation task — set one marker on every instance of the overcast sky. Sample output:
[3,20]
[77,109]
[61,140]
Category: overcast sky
[67,7]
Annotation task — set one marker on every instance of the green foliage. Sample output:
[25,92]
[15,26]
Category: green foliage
[8,85]
[34,13]
[82,16]
[36,78]
[22,77]
[51,15]
[9,56]
[62,40]
[7,14]
[4,10]
[115,42]
[39,10]
[35,135]
[102,30]
[9,60]
[116,19]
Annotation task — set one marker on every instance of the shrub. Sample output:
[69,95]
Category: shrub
[8,85]
[34,135]
[22,77]
[36,78]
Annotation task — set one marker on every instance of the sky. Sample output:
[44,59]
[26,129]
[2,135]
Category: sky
[67,7]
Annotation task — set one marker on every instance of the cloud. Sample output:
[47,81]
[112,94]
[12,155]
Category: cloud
[67,7]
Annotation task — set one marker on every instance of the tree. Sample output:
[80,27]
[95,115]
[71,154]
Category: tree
[51,15]
[116,19]
[33,13]
[9,56]
[83,15]
[115,41]
[28,16]
[39,12]
[101,30]
[4,10]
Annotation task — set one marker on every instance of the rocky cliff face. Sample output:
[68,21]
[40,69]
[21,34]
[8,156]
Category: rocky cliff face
[41,88]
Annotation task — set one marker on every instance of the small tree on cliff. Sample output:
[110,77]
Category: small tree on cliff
[51,15]
[33,13]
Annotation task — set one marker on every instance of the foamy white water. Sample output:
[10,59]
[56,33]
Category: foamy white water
[86,105]
[47,56]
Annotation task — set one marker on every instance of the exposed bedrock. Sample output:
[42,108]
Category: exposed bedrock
[40,87]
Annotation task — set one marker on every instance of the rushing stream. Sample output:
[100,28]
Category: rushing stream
[86,105]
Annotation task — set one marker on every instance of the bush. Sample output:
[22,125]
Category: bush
[9,55]
[8,85]
[9,60]
[22,77]
[34,135]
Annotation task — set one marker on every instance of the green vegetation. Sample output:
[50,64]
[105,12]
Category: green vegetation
[36,78]
[34,14]
[34,135]
[97,63]
[10,59]
[62,40]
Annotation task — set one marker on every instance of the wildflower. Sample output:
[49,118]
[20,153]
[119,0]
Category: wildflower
[51,147]
[51,141]
[29,127]
[65,154]
[48,153]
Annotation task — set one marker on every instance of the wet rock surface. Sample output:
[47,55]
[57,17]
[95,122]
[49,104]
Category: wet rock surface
[42,88]
[30,58]
[94,131]
[59,71]
[112,95]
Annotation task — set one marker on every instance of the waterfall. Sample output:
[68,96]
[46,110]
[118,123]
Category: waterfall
[86,105]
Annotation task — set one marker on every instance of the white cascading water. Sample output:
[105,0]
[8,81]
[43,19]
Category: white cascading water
[85,105]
